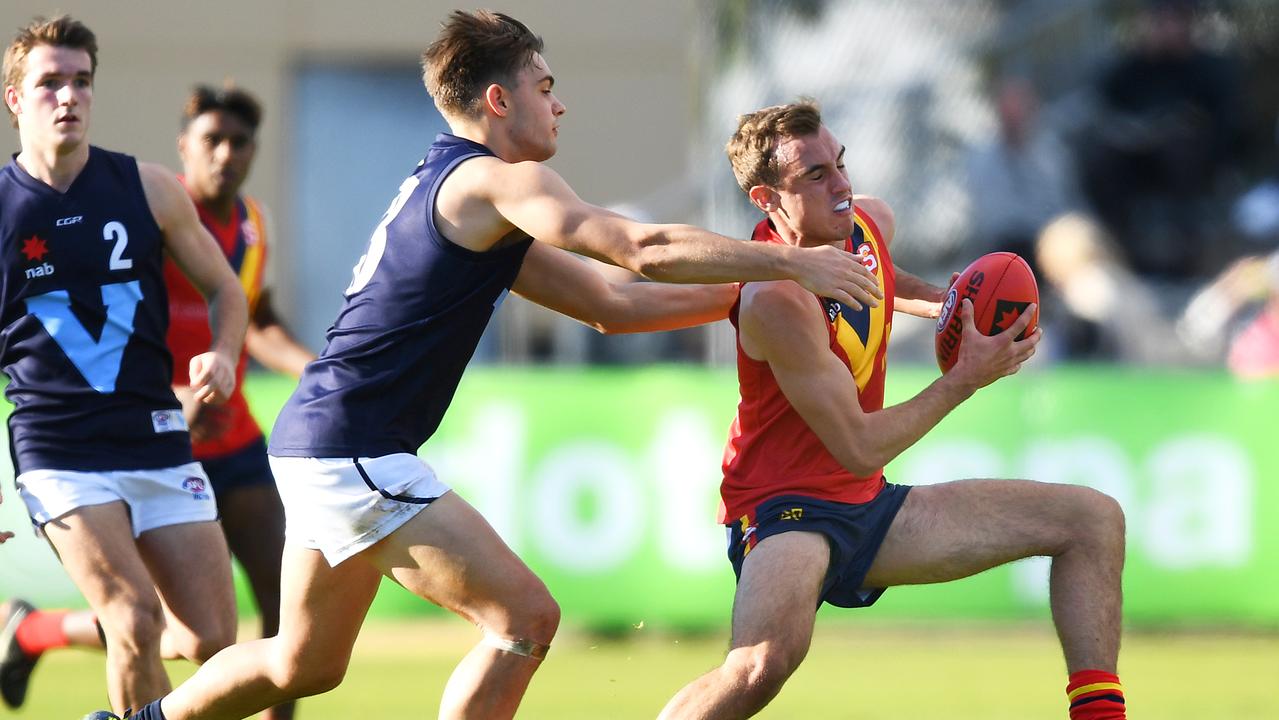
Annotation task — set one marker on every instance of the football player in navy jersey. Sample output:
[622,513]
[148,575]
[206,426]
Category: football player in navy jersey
[100,447]
[360,504]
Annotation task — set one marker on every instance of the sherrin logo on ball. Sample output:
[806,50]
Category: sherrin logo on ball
[1000,285]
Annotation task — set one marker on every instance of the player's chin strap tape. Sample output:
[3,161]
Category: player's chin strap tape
[522,647]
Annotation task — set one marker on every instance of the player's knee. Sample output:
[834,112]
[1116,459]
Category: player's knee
[763,669]
[133,626]
[531,614]
[1094,520]
[205,645]
[301,676]
[1106,519]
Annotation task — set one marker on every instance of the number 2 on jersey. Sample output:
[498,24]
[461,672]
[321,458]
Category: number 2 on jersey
[114,230]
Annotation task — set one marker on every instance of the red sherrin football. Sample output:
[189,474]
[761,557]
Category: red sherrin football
[1000,286]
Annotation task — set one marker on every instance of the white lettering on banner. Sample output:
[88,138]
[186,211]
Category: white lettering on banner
[685,459]
[1200,508]
[598,472]
[1188,502]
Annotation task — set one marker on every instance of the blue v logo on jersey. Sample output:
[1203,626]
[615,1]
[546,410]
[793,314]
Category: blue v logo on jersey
[97,360]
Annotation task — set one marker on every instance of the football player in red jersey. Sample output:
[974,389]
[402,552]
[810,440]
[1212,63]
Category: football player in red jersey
[810,515]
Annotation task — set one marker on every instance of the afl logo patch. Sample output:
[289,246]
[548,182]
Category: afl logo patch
[196,487]
[947,308]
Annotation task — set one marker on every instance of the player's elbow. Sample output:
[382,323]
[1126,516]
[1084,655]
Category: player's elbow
[862,466]
[860,460]
[652,261]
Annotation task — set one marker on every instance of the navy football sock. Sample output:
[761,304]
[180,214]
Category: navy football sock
[151,712]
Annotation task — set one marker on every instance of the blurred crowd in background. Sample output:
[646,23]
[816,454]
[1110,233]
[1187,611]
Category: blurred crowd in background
[1128,149]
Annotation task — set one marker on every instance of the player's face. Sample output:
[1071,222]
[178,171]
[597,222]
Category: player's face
[53,101]
[217,151]
[535,111]
[815,197]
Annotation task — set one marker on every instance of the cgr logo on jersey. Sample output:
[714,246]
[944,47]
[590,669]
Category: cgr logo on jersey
[195,486]
[73,220]
[35,248]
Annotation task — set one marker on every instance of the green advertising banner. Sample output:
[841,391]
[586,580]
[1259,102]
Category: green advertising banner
[605,482]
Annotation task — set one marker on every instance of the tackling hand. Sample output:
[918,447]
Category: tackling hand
[832,273]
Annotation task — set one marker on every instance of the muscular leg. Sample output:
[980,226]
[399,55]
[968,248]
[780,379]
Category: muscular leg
[773,613]
[253,521]
[97,548]
[450,555]
[953,530]
[191,570]
[322,609]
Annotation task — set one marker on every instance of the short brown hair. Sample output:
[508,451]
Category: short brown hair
[61,31]
[230,100]
[473,51]
[753,148]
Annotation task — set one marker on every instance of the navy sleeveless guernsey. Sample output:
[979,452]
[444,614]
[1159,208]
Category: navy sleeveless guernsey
[83,316]
[413,315]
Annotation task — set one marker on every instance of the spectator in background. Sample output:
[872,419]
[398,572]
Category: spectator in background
[1165,133]
[1019,180]
[1222,318]
[1101,310]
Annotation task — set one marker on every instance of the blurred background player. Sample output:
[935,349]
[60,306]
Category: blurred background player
[810,517]
[100,446]
[217,144]
[360,503]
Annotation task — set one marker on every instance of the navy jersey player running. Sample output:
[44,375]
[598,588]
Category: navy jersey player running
[100,449]
[360,504]
[217,145]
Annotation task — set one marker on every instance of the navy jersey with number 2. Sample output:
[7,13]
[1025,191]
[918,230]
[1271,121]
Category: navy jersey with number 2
[83,315]
[413,315]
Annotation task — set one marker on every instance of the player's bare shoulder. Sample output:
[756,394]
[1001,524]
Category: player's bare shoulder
[164,192]
[879,212]
[466,204]
[776,315]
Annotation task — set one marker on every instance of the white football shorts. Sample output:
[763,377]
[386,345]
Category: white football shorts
[341,506]
[156,498]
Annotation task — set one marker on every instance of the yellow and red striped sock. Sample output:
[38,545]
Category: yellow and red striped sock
[1095,695]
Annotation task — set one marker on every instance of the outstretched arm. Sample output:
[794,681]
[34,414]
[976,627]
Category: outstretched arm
[535,199]
[916,296]
[780,326]
[271,344]
[198,256]
[566,284]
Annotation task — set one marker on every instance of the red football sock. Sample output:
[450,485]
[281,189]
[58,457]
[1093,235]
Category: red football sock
[1095,695]
[42,630]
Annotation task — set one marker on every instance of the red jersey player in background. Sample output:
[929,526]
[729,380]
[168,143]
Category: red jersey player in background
[810,516]
[216,145]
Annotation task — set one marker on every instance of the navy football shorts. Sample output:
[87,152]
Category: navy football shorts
[854,533]
[246,467]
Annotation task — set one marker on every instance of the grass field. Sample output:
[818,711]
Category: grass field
[854,672]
